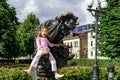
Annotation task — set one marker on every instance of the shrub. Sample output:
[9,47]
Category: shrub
[13,74]
[89,62]
[80,73]
[71,73]
[85,73]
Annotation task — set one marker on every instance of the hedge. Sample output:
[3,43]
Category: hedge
[13,74]
[70,73]
[82,70]
[90,62]
[85,73]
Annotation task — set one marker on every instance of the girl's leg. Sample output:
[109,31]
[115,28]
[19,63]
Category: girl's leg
[53,63]
[54,66]
[34,63]
[35,60]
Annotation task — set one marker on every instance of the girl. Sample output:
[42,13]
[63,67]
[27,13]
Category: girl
[43,48]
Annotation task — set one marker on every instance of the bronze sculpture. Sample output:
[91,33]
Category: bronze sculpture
[58,28]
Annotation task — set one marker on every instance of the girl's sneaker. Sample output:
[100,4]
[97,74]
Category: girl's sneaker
[27,71]
[57,76]
[36,77]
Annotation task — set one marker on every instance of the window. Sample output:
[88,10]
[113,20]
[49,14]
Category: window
[71,45]
[67,43]
[64,43]
[91,53]
[91,43]
[76,43]
[91,33]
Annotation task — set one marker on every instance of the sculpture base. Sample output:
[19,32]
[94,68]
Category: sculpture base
[45,74]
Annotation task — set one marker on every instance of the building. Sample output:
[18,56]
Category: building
[77,44]
[78,41]
[91,45]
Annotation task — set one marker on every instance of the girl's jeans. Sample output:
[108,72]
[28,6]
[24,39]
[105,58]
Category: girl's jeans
[38,56]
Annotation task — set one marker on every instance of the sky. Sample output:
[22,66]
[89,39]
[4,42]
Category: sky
[49,9]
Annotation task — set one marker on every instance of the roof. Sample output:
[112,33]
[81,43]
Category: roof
[82,28]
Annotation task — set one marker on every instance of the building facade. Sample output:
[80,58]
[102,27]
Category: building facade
[91,45]
[74,47]
[79,42]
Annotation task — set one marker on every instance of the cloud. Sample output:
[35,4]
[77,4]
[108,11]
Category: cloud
[49,9]
[29,7]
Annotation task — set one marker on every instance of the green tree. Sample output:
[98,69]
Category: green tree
[8,22]
[109,32]
[25,34]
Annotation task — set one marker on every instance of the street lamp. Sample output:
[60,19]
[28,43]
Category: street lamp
[96,13]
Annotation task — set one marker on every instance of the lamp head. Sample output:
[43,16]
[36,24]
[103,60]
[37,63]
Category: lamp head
[90,3]
[104,5]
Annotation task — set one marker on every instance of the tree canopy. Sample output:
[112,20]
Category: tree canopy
[25,34]
[8,22]
[16,39]
[109,32]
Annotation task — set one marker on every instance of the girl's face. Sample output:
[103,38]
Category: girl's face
[44,32]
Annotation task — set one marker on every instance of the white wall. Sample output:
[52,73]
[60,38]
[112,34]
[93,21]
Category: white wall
[75,46]
[91,45]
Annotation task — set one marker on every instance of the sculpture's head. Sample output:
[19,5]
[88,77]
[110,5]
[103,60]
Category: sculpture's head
[60,27]
[69,20]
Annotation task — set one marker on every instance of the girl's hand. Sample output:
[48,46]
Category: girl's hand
[45,52]
[59,45]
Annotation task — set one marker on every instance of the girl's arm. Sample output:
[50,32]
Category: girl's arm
[57,45]
[44,50]
[52,45]
[38,43]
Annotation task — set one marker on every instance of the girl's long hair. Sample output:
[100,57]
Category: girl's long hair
[40,30]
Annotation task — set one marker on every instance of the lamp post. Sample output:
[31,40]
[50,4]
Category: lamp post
[96,13]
